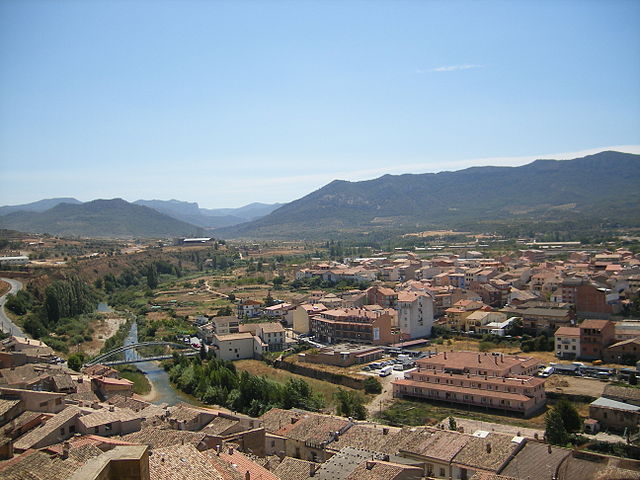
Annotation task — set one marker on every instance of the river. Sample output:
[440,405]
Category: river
[164,392]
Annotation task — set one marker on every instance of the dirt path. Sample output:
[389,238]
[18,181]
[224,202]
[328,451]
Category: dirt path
[210,290]
[383,399]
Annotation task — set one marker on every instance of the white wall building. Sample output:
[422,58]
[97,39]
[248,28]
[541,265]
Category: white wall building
[415,314]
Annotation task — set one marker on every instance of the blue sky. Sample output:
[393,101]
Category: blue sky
[227,103]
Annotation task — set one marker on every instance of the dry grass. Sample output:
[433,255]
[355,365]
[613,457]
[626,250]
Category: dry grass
[4,287]
[326,389]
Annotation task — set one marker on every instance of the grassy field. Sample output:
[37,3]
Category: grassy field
[326,389]
[141,385]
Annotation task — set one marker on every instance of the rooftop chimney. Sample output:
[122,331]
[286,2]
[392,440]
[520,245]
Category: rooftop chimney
[549,448]
[218,449]
[230,450]
[312,469]
[247,475]
[370,464]
[488,448]
[112,408]
[385,431]
[478,358]
[65,450]
[293,420]
[445,355]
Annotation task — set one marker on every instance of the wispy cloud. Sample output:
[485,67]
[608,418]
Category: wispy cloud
[451,68]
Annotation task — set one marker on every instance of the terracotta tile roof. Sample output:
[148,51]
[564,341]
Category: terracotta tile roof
[597,324]
[568,332]
[182,462]
[490,453]
[379,470]
[36,465]
[104,416]
[368,437]
[276,418]
[243,464]
[462,360]
[6,405]
[536,460]
[220,425]
[163,438]
[430,442]
[314,428]
[34,436]
[293,469]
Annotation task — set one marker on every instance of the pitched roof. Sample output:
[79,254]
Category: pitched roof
[34,436]
[162,438]
[104,416]
[293,469]
[489,453]
[380,470]
[536,460]
[432,443]
[184,462]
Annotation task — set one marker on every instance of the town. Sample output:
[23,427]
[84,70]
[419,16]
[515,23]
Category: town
[495,346]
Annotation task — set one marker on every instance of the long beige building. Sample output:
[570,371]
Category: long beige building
[504,382]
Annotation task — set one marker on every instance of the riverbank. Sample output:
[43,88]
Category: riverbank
[141,384]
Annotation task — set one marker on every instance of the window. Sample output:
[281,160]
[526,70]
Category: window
[61,430]
[442,474]
[43,404]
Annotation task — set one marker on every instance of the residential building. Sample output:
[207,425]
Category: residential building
[415,314]
[495,381]
[626,352]
[615,415]
[595,337]
[302,314]
[273,335]
[237,346]
[383,296]
[249,308]
[567,343]
[353,325]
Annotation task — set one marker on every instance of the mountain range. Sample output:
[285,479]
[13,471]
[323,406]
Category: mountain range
[596,188]
[190,212]
[118,218]
[99,218]
[604,186]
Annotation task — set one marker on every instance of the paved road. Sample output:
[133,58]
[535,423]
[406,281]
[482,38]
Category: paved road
[6,325]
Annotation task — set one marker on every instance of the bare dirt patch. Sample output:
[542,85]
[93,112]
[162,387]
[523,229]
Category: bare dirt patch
[104,328]
[575,385]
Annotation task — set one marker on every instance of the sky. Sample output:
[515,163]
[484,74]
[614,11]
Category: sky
[228,103]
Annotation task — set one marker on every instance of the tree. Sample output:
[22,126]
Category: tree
[350,404]
[569,415]
[452,424]
[152,276]
[555,431]
[372,385]
[75,361]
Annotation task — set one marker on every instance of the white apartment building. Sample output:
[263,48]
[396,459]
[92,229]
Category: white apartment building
[415,314]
